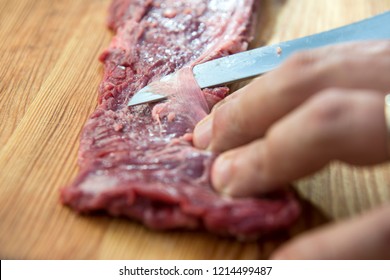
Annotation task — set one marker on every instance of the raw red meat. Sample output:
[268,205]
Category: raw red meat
[139,162]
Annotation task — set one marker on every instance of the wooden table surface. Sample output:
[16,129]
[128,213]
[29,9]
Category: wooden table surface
[49,74]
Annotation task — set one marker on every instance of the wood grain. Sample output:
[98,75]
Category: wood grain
[49,76]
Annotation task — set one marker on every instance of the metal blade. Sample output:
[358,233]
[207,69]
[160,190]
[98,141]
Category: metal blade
[145,95]
[255,62]
[258,61]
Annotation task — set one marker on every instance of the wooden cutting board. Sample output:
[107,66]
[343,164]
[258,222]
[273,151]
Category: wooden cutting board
[49,74]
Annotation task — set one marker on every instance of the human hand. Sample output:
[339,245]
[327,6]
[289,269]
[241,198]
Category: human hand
[321,105]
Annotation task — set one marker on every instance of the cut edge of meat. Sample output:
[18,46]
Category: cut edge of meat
[152,209]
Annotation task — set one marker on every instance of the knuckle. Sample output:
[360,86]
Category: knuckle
[328,107]
[327,110]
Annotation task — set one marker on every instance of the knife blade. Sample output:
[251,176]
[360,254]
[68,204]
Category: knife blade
[249,64]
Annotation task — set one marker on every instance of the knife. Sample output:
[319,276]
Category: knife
[248,64]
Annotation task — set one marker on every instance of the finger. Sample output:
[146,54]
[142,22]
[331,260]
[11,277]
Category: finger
[364,237]
[335,124]
[202,131]
[268,98]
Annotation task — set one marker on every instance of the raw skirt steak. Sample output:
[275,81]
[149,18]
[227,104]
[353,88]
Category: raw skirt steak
[139,162]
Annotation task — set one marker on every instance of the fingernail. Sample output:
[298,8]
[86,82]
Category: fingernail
[222,173]
[202,133]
